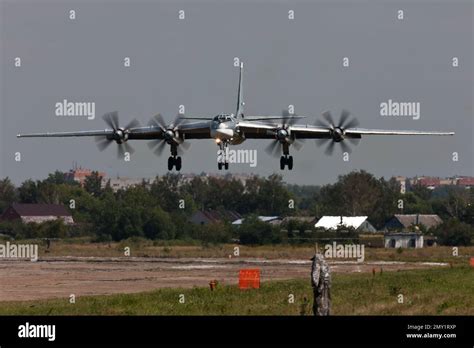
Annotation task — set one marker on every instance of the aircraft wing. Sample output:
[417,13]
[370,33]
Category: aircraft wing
[196,130]
[269,117]
[90,133]
[365,131]
[256,130]
[149,132]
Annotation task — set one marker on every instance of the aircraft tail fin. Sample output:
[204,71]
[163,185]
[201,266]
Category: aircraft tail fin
[240,100]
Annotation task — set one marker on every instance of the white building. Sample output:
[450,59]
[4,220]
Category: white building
[359,223]
[403,240]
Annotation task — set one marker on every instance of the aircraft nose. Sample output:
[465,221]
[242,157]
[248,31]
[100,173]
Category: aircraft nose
[224,133]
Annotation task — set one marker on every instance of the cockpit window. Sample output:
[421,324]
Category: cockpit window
[222,117]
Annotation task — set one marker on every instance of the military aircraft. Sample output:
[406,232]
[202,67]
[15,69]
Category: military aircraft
[232,129]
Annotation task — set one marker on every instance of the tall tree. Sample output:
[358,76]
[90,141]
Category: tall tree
[8,194]
[93,184]
[28,192]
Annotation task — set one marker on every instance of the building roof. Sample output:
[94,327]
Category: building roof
[428,220]
[402,234]
[299,219]
[216,215]
[428,181]
[466,181]
[333,222]
[261,218]
[31,209]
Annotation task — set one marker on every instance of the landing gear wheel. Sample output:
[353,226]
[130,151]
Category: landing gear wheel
[290,162]
[226,166]
[170,163]
[282,162]
[178,163]
[219,165]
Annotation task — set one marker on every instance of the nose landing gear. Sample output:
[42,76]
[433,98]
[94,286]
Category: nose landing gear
[222,156]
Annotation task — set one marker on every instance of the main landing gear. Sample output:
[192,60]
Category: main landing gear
[174,160]
[286,161]
[222,157]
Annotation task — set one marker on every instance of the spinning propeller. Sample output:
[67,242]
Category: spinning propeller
[338,132]
[170,134]
[283,135]
[119,135]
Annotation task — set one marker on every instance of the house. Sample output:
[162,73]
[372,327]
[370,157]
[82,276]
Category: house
[466,181]
[301,219]
[403,240]
[123,183]
[272,220]
[405,222]
[359,223]
[204,217]
[38,213]
[79,175]
[428,182]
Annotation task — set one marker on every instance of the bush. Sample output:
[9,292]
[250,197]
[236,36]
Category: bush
[453,232]
[213,233]
[254,231]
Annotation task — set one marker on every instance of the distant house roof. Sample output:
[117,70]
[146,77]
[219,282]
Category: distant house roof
[428,181]
[407,220]
[334,222]
[214,216]
[261,218]
[309,219]
[31,209]
[466,181]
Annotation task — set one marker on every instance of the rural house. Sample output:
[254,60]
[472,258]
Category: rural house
[405,222]
[204,217]
[38,213]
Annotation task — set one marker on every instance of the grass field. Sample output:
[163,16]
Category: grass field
[447,291]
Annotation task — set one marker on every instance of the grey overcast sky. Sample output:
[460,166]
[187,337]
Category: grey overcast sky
[190,62]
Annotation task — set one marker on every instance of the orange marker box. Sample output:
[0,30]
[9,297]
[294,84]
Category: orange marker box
[249,279]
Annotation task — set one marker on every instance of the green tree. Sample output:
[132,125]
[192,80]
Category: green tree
[166,191]
[158,225]
[254,231]
[8,194]
[93,184]
[273,197]
[28,192]
[58,178]
[454,232]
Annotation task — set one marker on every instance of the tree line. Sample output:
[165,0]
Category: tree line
[161,209]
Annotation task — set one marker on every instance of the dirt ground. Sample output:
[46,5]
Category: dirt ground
[56,277]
